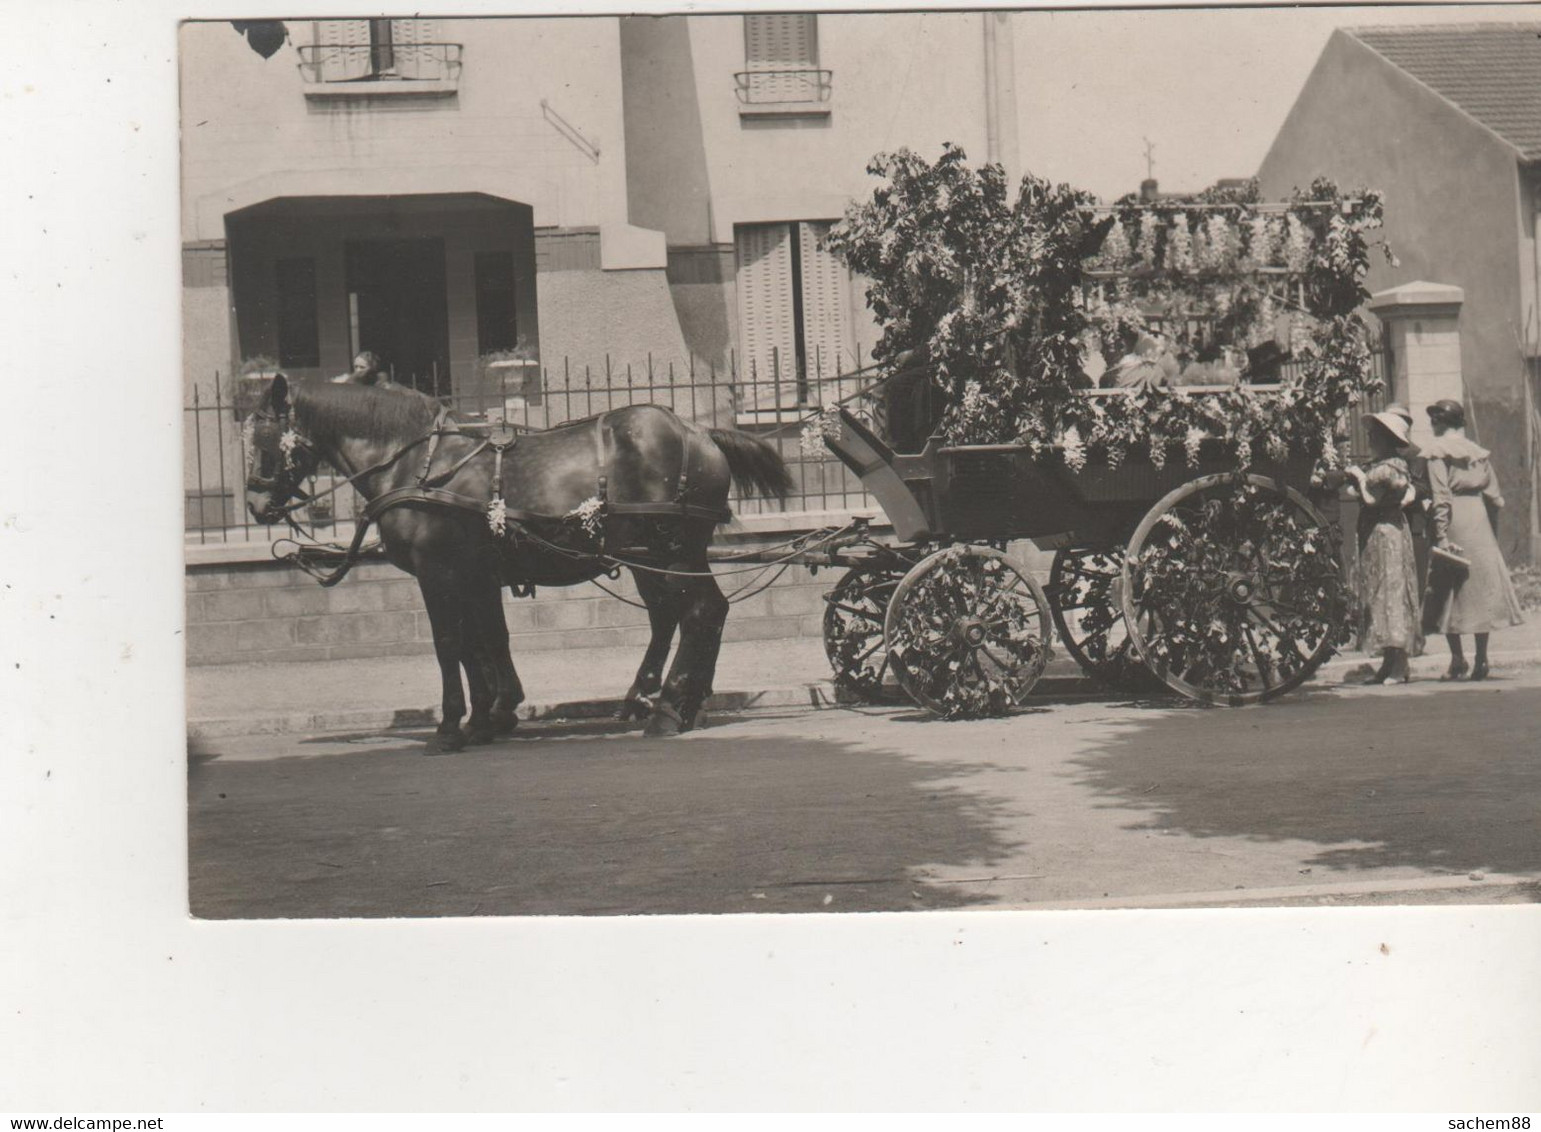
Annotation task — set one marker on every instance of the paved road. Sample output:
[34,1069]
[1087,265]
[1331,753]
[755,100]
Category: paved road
[1429,793]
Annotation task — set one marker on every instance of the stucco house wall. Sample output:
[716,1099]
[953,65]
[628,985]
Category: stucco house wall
[1453,215]
[698,166]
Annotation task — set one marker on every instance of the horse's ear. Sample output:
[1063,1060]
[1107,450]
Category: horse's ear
[280,393]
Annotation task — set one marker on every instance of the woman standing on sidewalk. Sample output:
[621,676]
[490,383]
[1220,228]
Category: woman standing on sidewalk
[1463,521]
[1388,578]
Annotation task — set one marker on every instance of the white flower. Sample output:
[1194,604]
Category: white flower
[589,514]
[1145,248]
[497,516]
[1262,238]
[1157,450]
[1073,449]
[287,443]
[816,429]
[1179,246]
[1192,442]
[1297,244]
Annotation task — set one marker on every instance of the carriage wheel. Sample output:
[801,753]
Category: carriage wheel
[853,630]
[1086,594]
[1233,591]
[968,633]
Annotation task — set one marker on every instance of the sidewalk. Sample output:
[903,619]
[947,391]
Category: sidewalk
[403,691]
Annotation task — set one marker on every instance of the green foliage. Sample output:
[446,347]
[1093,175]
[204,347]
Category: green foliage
[984,289]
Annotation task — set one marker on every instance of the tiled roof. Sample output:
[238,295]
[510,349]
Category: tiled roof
[1491,71]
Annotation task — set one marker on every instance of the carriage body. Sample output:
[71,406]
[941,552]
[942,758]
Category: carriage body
[1262,558]
[1004,492]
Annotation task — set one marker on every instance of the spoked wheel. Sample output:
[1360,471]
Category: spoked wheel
[1233,591]
[1086,594]
[853,630]
[967,633]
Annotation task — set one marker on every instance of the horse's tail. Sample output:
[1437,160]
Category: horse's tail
[756,466]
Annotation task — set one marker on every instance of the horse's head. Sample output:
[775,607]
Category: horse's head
[278,459]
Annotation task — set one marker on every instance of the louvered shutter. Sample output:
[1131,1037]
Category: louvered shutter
[767,334]
[348,58]
[827,341]
[785,42]
[413,59]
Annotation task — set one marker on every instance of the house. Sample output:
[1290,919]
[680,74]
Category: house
[438,189]
[1446,121]
[624,201]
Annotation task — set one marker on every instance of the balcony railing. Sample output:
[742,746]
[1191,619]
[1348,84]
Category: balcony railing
[405,63]
[807,86]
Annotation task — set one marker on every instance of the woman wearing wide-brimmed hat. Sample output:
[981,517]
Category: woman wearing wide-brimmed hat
[1464,517]
[1387,578]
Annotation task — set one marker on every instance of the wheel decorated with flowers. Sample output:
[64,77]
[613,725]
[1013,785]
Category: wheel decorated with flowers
[853,630]
[1233,590]
[1086,594]
[968,634]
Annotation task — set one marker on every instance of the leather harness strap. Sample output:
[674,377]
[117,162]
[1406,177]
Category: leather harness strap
[430,489]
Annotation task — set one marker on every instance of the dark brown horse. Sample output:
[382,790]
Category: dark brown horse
[468,509]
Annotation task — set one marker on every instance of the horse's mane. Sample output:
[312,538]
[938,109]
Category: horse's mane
[329,413]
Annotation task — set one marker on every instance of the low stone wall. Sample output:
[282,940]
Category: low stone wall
[261,610]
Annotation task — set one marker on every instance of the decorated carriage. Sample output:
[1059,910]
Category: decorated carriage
[1192,520]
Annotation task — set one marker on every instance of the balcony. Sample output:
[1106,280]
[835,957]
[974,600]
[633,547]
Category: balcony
[803,92]
[371,70]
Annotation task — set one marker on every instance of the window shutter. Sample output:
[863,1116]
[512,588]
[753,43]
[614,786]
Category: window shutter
[767,334]
[349,58]
[414,61]
[827,337]
[784,42]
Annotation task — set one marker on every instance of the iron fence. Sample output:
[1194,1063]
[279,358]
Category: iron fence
[773,404]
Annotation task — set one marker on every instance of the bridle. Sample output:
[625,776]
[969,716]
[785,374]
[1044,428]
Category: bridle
[298,459]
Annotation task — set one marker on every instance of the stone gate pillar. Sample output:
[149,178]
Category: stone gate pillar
[1422,327]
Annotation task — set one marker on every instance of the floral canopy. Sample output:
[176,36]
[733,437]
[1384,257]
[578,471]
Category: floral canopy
[1014,304]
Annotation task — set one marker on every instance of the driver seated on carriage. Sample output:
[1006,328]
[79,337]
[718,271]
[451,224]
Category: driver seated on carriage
[368,369]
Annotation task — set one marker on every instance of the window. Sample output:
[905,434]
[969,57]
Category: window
[299,344]
[497,323]
[795,326]
[781,61]
[405,51]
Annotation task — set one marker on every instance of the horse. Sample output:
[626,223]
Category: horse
[468,509]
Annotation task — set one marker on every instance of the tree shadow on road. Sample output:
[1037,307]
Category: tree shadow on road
[575,819]
[1446,780]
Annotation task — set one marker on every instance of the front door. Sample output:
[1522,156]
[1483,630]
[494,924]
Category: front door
[397,308]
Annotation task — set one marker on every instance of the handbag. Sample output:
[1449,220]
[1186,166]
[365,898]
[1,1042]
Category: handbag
[1448,568]
[1449,560]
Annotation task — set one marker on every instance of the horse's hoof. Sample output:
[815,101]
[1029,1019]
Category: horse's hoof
[446,743]
[478,736]
[632,708]
[663,723]
[504,723]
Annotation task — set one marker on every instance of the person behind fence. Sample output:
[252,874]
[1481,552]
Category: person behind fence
[1478,595]
[1387,577]
[368,369]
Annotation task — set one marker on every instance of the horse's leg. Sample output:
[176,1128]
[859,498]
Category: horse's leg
[481,677]
[490,633]
[663,613]
[437,582]
[702,616]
